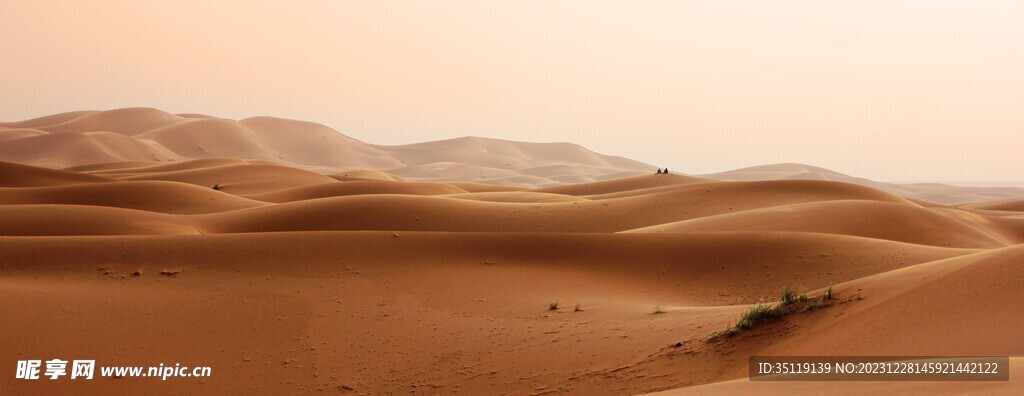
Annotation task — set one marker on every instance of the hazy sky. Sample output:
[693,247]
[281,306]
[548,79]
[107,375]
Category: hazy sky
[890,90]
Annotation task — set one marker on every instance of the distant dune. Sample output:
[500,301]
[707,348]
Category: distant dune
[292,259]
[131,137]
[930,192]
[143,134]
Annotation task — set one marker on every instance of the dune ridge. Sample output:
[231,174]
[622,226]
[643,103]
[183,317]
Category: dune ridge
[929,192]
[143,134]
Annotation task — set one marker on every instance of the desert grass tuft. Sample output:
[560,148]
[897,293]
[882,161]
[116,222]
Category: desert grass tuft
[756,315]
[553,306]
[762,312]
[788,295]
[828,291]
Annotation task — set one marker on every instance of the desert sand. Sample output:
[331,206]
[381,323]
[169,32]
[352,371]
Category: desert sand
[431,268]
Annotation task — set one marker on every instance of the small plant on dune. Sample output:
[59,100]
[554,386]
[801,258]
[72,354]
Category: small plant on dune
[815,304]
[755,315]
[658,309]
[788,295]
[762,312]
[578,308]
[216,186]
[729,331]
[553,306]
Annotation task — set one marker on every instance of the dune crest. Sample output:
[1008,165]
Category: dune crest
[143,134]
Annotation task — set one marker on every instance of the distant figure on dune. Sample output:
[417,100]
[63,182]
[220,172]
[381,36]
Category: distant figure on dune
[659,171]
[666,171]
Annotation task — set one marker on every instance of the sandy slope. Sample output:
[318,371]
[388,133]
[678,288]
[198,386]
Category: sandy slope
[356,187]
[238,179]
[152,196]
[290,281]
[379,313]
[888,322]
[744,386]
[16,175]
[873,219]
[1011,204]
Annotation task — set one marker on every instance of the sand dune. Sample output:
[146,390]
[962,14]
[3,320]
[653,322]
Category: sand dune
[503,154]
[151,196]
[128,122]
[46,120]
[144,134]
[239,179]
[930,192]
[356,187]
[49,220]
[885,322]
[135,168]
[623,185]
[744,386]
[293,259]
[424,213]
[7,134]
[308,143]
[915,294]
[365,174]
[113,165]
[15,175]
[67,149]
[1012,204]
[872,219]
[431,294]
[517,197]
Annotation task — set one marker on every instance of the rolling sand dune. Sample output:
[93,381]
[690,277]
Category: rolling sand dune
[437,307]
[46,120]
[67,149]
[1012,204]
[356,187]
[744,386]
[365,174]
[929,192]
[135,168]
[128,122]
[151,196]
[143,134]
[518,197]
[8,134]
[239,179]
[872,219]
[886,322]
[423,213]
[624,185]
[15,175]
[48,220]
[114,165]
[292,259]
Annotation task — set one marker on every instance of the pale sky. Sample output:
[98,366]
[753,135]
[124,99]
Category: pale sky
[889,90]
